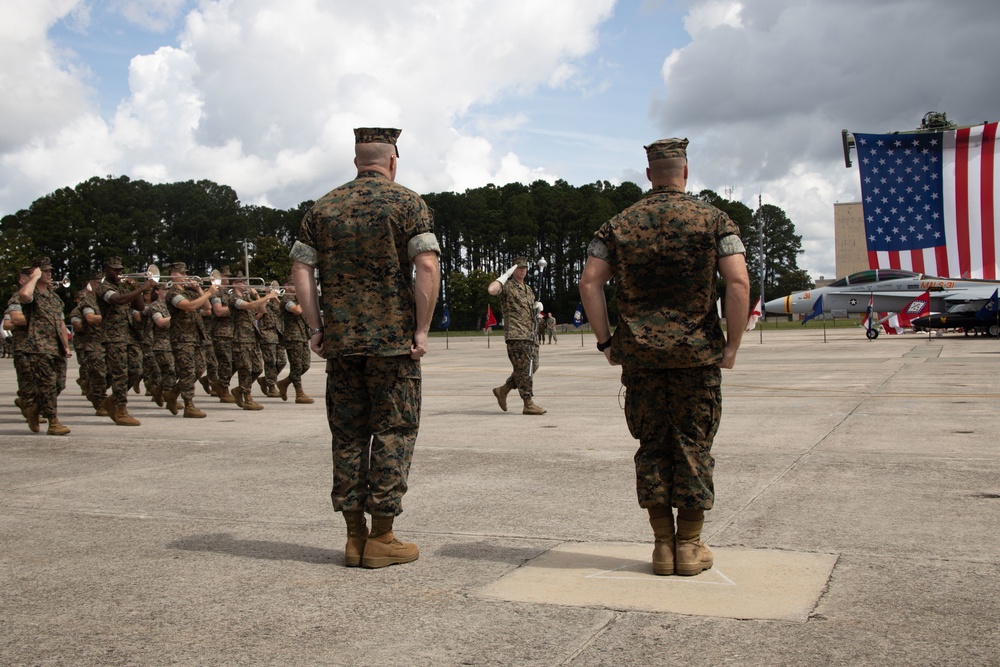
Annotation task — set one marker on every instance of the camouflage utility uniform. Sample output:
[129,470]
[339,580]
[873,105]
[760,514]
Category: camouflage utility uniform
[186,336]
[19,348]
[44,350]
[520,333]
[120,345]
[94,364]
[271,324]
[295,341]
[246,352]
[162,351]
[664,251]
[363,237]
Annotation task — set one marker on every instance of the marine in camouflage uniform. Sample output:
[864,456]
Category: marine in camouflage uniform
[520,333]
[366,238]
[94,366]
[150,369]
[211,377]
[163,355]
[295,342]
[116,298]
[664,253]
[222,338]
[16,323]
[81,341]
[245,307]
[271,325]
[47,346]
[184,299]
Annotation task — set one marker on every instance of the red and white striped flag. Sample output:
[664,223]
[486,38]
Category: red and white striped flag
[929,201]
[754,316]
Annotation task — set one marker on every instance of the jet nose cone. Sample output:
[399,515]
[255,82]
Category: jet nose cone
[780,306]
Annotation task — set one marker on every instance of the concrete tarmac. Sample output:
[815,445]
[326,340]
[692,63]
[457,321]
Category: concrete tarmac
[856,522]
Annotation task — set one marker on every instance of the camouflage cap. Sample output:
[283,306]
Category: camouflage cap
[113,263]
[26,270]
[521,261]
[377,135]
[666,148]
[179,266]
[42,263]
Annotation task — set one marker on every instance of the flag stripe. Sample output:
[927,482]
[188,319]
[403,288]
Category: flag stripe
[986,207]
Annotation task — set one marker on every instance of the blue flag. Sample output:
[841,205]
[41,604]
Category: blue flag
[578,316]
[990,308]
[817,310]
[445,319]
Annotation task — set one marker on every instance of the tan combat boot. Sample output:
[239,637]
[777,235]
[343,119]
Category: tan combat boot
[283,388]
[206,385]
[110,407]
[272,391]
[123,418]
[55,428]
[382,548]
[190,411]
[300,396]
[531,409]
[661,519]
[263,385]
[691,555]
[238,396]
[357,535]
[248,402]
[222,391]
[501,394]
[31,414]
[170,398]
[157,395]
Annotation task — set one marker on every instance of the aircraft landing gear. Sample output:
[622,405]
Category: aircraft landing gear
[872,334]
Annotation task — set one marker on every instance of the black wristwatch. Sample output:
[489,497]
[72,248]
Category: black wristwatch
[603,346]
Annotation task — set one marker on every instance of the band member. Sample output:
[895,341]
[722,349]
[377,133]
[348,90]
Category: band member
[222,337]
[270,330]
[295,342]
[245,308]
[184,299]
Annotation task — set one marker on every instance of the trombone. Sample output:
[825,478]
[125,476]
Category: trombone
[281,291]
[214,278]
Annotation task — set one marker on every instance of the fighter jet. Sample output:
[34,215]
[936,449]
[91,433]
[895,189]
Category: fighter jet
[892,290]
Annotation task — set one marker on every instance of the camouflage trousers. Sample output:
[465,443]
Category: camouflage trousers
[184,365]
[249,365]
[274,361]
[150,369]
[521,353]
[224,359]
[211,363]
[125,367]
[94,367]
[299,360]
[48,379]
[373,407]
[165,366]
[674,414]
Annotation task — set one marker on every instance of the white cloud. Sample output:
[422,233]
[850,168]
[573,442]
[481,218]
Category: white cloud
[262,94]
[152,15]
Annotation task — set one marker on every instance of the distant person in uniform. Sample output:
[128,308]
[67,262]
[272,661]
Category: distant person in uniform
[520,333]
[372,242]
[550,328]
[664,253]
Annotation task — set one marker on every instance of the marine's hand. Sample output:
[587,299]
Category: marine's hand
[607,355]
[419,347]
[316,344]
[728,358]
[505,277]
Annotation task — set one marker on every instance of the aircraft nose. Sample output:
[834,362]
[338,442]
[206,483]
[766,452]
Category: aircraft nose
[782,306]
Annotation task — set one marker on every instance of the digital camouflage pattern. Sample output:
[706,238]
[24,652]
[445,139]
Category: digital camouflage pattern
[362,237]
[295,340]
[222,325]
[377,400]
[665,250]
[520,353]
[244,329]
[44,314]
[674,414]
[518,303]
[115,321]
[185,325]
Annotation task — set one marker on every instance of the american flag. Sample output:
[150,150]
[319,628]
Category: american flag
[929,201]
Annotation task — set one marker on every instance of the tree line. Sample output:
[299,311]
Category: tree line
[481,232]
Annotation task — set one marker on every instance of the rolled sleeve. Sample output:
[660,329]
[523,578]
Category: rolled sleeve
[421,243]
[598,249]
[303,253]
[731,245]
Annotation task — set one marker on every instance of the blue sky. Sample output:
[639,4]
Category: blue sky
[261,95]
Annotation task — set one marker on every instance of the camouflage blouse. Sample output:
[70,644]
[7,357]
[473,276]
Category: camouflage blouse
[362,237]
[665,252]
[184,324]
[44,314]
[518,302]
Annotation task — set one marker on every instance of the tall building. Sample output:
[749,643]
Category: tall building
[849,238]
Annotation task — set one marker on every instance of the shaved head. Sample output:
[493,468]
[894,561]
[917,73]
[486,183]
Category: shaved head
[668,172]
[373,154]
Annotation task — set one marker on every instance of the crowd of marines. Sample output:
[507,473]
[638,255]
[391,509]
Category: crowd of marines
[169,335]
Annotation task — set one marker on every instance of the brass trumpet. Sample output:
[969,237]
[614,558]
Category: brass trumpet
[152,273]
[214,278]
[65,281]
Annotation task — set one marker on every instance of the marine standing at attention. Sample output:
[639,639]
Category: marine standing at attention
[366,238]
[664,253]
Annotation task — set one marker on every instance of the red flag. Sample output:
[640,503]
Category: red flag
[754,316]
[917,308]
[490,320]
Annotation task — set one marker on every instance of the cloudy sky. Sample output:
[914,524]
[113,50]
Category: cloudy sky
[261,95]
